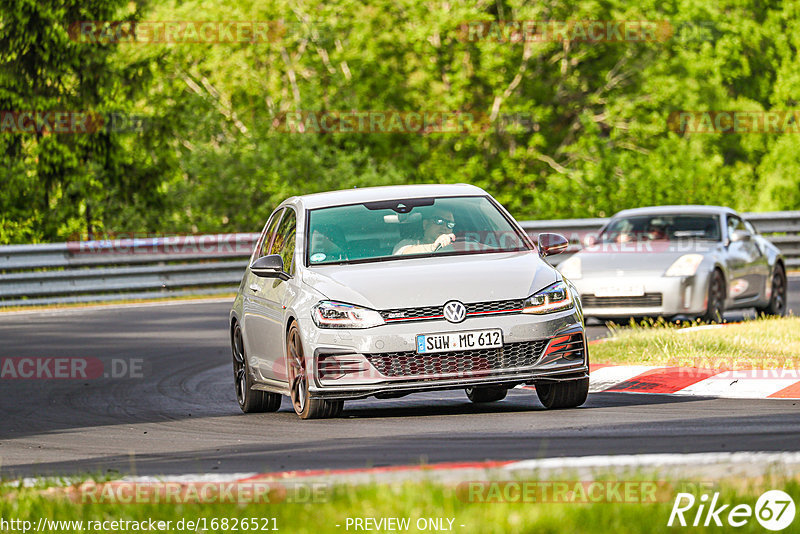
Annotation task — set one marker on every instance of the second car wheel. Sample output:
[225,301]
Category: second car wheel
[304,405]
[568,394]
[715,305]
[480,395]
[777,301]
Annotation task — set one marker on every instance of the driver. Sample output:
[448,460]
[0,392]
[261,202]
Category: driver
[656,231]
[437,232]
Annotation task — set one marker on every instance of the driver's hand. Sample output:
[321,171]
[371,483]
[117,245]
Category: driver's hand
[443,240]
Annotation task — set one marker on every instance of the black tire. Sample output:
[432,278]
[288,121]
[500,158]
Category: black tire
[250,400]
[305,406]
[569,394]
[715,306]
[777,301]
[481,395]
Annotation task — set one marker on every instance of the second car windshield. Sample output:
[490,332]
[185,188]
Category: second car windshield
[661,227]
[408,228]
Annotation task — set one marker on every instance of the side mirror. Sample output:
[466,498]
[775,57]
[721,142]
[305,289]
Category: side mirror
[740,235]
[269,267]
[551,244]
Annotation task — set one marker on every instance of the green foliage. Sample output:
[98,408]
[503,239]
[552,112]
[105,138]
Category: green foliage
[210,158]
[780,177]
[57,184]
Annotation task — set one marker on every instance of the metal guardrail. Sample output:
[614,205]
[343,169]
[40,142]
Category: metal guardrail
[137,268]
[91,271]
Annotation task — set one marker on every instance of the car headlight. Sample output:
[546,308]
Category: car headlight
[556,297]
[686,265]
[328,314]
[570,268]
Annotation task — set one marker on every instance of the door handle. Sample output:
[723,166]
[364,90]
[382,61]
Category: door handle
[254,288]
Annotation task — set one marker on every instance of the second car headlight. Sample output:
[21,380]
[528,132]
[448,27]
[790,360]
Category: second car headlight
[571,268]
[328,314]
[686,265]
[556,297]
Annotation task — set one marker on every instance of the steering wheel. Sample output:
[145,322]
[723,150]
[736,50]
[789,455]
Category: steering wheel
[465,243]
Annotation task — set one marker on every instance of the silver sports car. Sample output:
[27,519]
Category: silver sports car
[388,291]
[678,261]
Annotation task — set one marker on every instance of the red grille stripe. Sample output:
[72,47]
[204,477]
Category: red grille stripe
[415,318]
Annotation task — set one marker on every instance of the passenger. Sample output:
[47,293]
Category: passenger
[656,232]
[436,233]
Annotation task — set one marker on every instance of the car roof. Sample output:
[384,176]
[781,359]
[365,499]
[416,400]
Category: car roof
[392,192]
[676,209]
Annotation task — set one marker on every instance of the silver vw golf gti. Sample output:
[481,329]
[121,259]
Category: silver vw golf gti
[388,291]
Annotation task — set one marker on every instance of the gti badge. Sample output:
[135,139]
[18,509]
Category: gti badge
[454,311]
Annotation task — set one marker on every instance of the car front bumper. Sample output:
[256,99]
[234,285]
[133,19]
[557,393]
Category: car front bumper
[350,364]
[643,295]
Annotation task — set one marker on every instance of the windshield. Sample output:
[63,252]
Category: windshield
[661,228]
[404,228]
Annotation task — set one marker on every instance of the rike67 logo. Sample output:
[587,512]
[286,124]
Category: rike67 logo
[774,510]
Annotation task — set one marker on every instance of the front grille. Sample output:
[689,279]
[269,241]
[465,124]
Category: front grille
[648,300]
[409,363]
[427,313]
[498,306]
[410,314]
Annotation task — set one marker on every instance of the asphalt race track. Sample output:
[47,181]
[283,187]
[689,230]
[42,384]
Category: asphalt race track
[178,414]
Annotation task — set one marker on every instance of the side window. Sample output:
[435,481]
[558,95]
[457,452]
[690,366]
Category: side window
[734,223]
[269,233]
[285,240]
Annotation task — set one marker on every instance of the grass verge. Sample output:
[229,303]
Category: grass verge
[767,343]
[453,505]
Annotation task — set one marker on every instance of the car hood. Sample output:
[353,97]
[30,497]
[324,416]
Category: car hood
[415,282]
[655,258]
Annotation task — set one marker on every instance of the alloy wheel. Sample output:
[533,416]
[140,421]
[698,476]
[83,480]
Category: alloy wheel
[239,367]
[716,299]
[297,367]
[779,292]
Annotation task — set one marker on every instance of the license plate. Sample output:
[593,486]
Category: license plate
[472,339]
[621,290]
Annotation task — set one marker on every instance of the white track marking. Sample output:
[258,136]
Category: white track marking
[745,384]
[659,460]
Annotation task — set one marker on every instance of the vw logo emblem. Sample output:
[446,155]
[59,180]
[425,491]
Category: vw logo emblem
[454,311]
